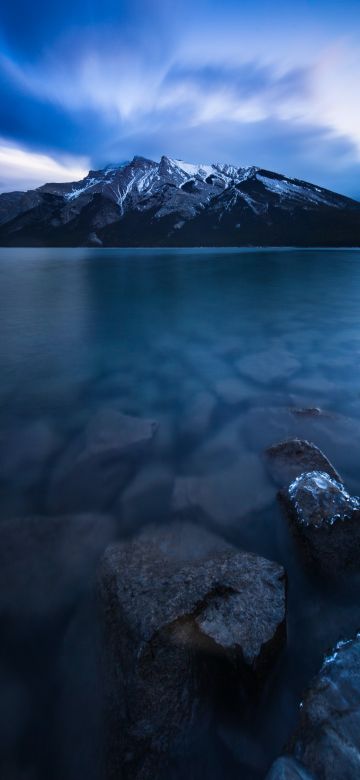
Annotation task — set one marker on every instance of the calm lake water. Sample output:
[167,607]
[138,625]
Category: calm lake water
[220,348]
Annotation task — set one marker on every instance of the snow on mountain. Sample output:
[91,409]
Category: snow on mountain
[144,201]
[134,185]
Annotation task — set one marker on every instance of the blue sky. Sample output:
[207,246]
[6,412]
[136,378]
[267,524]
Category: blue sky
[88,82]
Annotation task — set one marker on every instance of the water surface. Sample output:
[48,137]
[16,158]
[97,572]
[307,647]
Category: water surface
[219,347]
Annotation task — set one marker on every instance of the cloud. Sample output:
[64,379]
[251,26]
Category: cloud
[244,83]
[21,169]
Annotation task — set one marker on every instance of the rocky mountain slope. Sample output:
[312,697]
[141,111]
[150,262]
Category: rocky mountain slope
[173,203]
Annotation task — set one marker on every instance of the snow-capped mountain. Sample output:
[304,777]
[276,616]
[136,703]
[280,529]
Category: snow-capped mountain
[172,202]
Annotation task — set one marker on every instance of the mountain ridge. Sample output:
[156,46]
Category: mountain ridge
[174,203]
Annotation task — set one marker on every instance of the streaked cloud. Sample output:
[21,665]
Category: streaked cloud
[21,169]
[119,78]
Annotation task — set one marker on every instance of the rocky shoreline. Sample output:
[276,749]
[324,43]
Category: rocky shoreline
[187,618]
[185,612]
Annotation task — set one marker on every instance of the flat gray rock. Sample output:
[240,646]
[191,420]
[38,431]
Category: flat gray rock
[327,740]
[176,600]
[292,457]
[287,768]
[326,520]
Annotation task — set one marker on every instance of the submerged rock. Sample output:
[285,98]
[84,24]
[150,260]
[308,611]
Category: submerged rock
[178,603]
[97,465]
[308,411]
[268,366]
[47,563]
[287,768]
[327,740]
[226,496]
[197,417]
[25,452]
[232,391]
[147,497]
[326,519]
[292,457]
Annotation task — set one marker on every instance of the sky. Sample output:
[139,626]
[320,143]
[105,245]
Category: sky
[85,83]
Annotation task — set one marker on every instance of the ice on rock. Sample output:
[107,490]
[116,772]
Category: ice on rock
[319,499]
[326,521]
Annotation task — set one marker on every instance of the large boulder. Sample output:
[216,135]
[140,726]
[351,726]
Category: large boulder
[99,462]
[327,741]
[292,457]
[179,603]
[287,768]
[326,520]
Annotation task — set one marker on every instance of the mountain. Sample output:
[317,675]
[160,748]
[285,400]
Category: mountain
[173,203]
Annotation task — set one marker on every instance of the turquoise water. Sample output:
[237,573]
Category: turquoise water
[220,348]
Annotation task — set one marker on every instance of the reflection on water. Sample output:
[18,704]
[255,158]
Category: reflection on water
[219,348]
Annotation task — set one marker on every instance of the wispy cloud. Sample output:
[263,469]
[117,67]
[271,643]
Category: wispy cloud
[22,169]
[243,82]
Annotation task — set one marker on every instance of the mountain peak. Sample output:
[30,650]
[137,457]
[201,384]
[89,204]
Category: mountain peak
[179,203]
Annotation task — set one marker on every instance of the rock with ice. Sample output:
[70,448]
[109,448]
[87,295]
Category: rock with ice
[182,610]
[326,520]
[327,740]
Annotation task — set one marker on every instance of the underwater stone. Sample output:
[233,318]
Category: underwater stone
[225,497]
[99,462]
[48,563]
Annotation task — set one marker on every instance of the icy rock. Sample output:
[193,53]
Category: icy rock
[287,768]
[327,740]
[178,603]
[97,465]
[326,519]
[288,459]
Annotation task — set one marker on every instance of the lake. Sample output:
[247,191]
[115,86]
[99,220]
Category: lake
[220,348]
